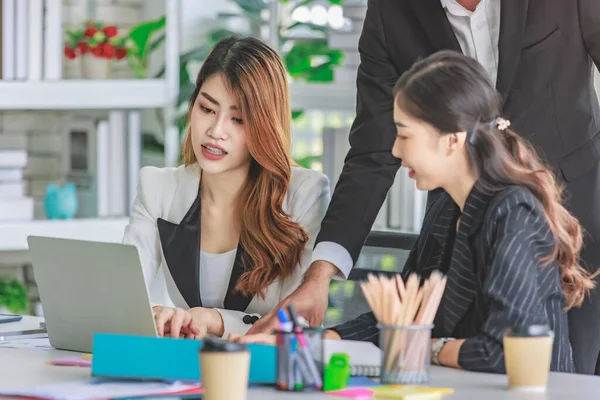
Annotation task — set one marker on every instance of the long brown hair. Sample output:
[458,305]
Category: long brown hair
[256,78]
[452,93]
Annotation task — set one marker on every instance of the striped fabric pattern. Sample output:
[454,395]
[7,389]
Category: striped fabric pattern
[496,278]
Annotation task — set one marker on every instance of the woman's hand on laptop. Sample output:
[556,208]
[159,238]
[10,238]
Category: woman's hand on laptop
[195,323]
[175,322]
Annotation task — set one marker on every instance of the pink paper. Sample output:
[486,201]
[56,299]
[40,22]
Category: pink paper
[72,361]
[353,393]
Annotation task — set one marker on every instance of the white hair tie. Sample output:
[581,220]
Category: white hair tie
[502,123]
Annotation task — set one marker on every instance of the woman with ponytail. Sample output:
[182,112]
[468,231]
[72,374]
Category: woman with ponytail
[497,228]
[232,229]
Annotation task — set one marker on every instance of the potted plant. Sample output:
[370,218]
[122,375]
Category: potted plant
[97,44]
[13,296]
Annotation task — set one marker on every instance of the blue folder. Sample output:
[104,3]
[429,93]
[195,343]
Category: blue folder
[150,358]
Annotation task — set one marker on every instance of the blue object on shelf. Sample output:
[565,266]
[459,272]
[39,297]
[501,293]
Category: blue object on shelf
[61,202]
[151,358]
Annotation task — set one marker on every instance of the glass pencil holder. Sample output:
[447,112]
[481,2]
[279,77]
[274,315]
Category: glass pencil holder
[406,352]
[300,360]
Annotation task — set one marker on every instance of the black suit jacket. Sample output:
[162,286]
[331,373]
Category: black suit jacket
[495,277]
[546,49]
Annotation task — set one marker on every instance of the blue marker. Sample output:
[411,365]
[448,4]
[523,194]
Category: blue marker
[285,325]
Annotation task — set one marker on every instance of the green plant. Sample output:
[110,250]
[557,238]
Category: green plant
[307,59]
[308,162]
[142,40]
[13,296]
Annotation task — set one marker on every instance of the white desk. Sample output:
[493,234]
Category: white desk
[28,367]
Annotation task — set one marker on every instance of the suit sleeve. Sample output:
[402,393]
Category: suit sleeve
[369,167]
[233,321]
[510,284]
[142,231]
[589,20]
[364,327]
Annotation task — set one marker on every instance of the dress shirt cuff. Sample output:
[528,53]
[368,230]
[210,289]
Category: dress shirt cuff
[335,254]
[481,354]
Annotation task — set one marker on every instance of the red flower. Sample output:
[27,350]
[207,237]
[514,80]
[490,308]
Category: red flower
[98,51]
[90,31]
[110,31]
[83,47]
[121,53]
[108,50]
[70,53]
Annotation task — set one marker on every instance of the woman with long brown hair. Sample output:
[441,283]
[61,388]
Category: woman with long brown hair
[233,228]
[498,227]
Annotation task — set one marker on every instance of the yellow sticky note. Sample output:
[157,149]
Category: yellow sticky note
[87,357]
[408,392]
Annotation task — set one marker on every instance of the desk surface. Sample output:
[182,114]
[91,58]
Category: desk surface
[28,367]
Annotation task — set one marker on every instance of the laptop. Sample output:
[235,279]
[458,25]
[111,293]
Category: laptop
[90,287]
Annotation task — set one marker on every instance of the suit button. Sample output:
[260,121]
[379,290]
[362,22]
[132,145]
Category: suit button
[249,319]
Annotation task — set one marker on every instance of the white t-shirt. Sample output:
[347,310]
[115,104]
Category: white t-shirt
[215,271]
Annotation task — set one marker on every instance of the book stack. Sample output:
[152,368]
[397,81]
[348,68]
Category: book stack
[31,39]
[14,205]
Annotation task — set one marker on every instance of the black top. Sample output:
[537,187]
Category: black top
[181,247]
[495,277]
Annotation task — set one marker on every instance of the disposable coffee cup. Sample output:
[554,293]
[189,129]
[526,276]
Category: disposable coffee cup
[527,356]
[224,369]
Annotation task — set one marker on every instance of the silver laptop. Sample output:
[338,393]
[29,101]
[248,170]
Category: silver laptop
[90,287]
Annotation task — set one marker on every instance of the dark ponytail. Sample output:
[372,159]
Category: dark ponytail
[452,93]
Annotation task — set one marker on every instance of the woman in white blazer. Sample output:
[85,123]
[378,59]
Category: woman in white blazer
[234,227]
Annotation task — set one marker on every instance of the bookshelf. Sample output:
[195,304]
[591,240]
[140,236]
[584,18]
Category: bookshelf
[85,94]
[118,96]
[13,235]
[130,95]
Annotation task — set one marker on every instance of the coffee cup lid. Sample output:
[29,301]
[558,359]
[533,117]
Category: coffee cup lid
[213,344]
[529,330]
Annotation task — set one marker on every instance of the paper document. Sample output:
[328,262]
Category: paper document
[99,389]
[35,343]
[365,357]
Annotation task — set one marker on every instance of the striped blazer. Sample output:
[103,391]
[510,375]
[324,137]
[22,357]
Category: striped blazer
[495,276]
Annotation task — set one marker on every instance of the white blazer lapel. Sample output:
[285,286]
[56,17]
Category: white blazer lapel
[188,181]
[180,236]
